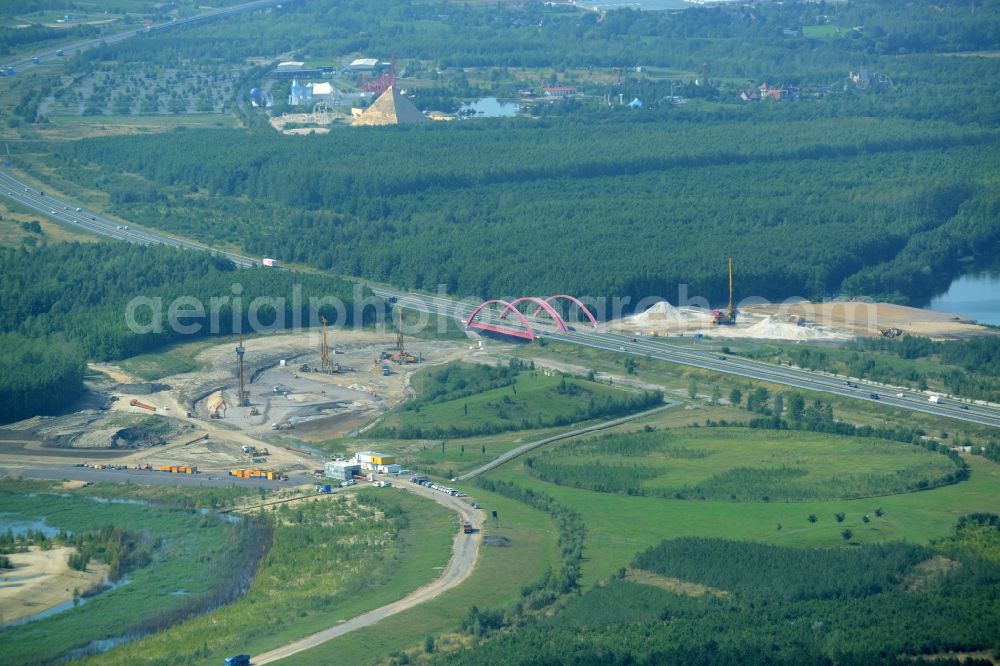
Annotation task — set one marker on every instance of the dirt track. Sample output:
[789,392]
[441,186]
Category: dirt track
[465,551]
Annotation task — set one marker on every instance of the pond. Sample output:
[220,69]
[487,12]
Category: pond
[489,107]
[975,295]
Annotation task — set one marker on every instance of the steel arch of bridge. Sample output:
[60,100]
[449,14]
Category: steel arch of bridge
[529,333]
[542,305]
[571,299]
[511,306]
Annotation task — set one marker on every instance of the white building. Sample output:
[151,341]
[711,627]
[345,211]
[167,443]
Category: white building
[372,461]
[341,470]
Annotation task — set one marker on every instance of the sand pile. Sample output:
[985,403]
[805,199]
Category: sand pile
[660,313]
[778,328]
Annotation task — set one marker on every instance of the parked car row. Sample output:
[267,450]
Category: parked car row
[424,481]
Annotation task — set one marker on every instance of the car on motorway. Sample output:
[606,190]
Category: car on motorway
[900,395]
[55,213]
[78,210]
[873,396]
[93,217]
[966,407]
[722,358]
[621,349]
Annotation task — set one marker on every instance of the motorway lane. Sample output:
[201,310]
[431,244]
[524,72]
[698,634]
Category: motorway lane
[78,47]
[16,190]
[713,360]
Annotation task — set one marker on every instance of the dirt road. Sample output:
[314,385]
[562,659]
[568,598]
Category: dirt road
[465,551]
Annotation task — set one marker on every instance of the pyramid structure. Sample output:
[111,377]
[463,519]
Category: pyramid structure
[391,108]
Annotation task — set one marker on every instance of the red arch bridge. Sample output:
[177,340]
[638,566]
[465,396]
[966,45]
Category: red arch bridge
[493,315]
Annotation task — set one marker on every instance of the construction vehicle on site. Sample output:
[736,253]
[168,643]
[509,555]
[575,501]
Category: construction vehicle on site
[727,317]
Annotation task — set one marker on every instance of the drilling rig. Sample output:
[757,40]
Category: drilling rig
[244,396]
[401,355]
[324,353]
[727,318]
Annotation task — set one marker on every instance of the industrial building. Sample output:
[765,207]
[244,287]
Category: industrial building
[363,64]
[371,461]
[341,470]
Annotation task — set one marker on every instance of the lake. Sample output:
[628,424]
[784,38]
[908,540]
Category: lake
[976,295]
[490,107]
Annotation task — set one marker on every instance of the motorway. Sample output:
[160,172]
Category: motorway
[28,62]
[660,349]
[81,218]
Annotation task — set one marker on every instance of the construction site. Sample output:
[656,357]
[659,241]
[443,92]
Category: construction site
[249,413]
[795,320]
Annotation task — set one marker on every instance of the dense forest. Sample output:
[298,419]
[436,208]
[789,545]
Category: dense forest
[68,303]
[797,208]
[846,188]
[773,605]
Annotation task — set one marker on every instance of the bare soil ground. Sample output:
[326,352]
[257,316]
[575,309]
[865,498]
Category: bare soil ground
[675,585]
[801,321]
[308,406]
[42,579]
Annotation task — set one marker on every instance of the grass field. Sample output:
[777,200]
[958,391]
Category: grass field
[12,234]
[619,526]
[191,557]
[80,127]
[174,360]
[741,464]
[341,560]
[820,31]
[500,574]
[675,380]
[534,400]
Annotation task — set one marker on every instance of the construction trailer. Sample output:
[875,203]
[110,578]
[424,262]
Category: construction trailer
[727,317]
[178,469]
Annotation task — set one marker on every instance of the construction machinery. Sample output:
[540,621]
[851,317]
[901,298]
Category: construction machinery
[324,353]
[243,399]
[891,332]
[727,317]
[141,405]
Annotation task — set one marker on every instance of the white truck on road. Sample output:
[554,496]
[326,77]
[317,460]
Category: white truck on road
[936,399]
